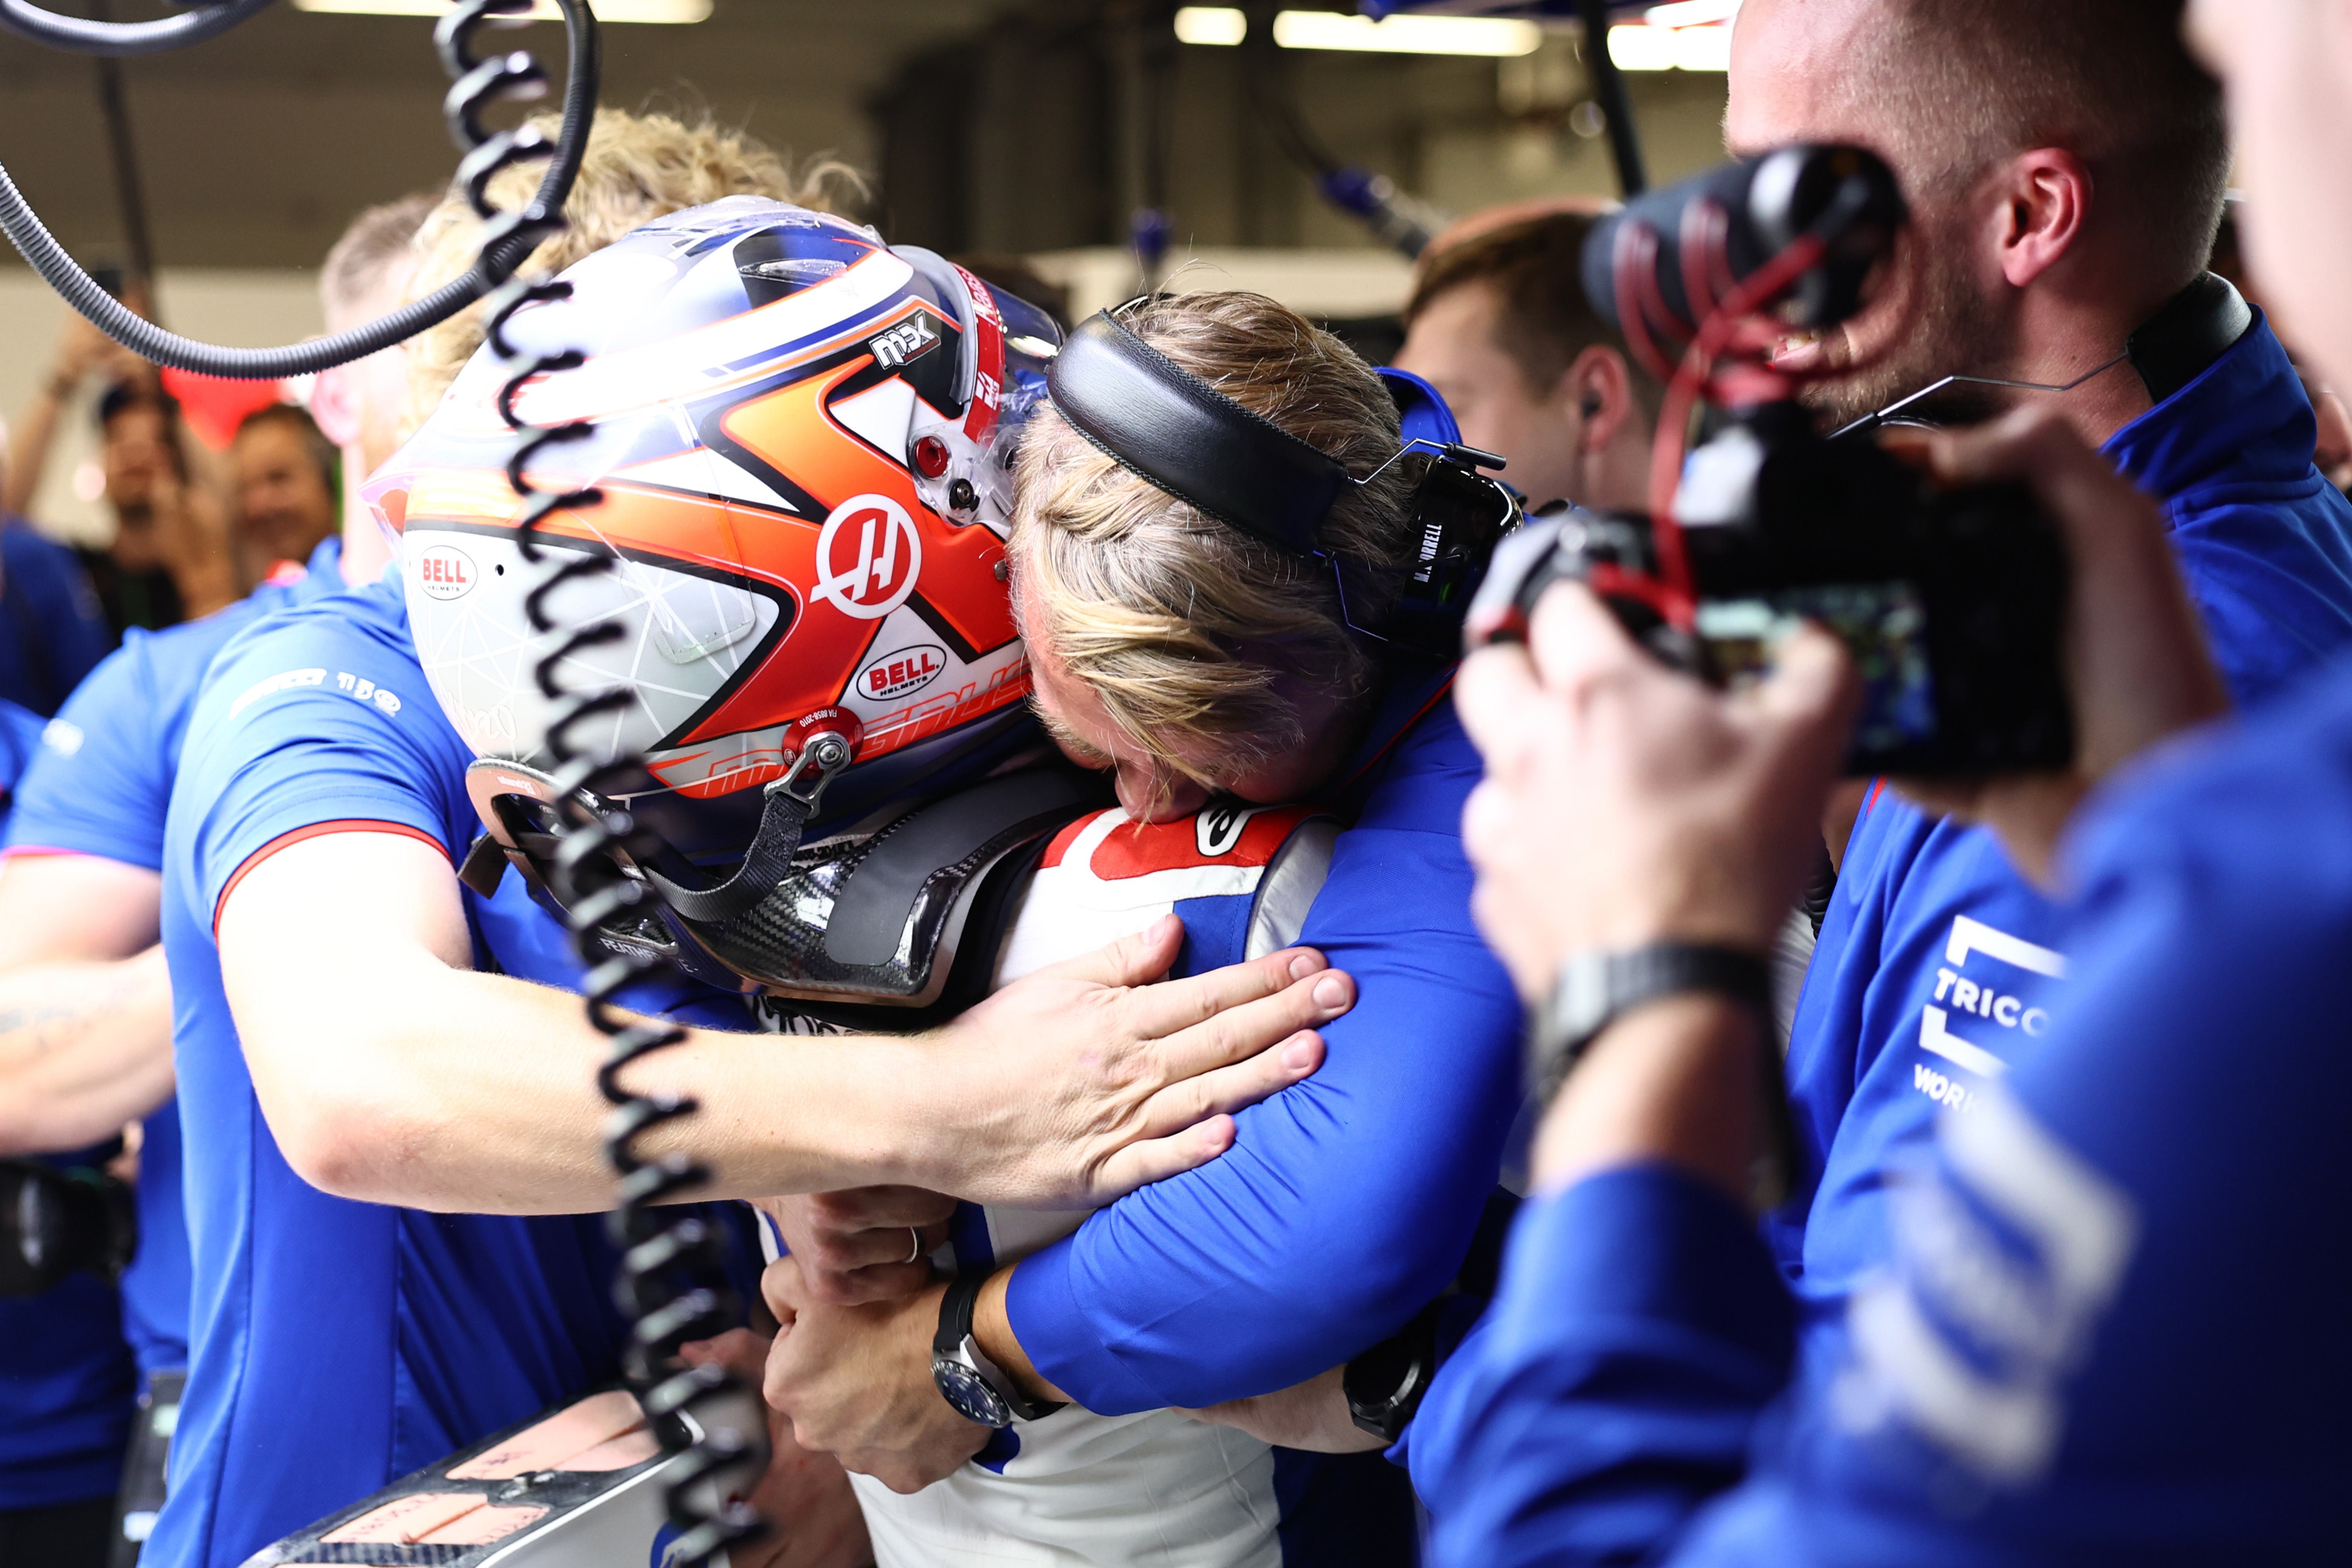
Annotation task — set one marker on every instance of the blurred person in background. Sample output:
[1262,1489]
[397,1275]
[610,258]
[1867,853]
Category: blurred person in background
[85,1000]
[2110,1330]
[172,557]
[286,473]
[1499,323]
[52,629]
[66,1379]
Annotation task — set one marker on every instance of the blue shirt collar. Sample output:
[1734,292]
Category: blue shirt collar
[2246,419]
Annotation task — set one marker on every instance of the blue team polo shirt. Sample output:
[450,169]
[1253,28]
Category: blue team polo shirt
[339,1346]
[52,631]
[66,1375]
[99,785]
[1939,967]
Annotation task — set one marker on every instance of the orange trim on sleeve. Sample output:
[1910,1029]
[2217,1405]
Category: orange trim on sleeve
[43,851]
[316,830]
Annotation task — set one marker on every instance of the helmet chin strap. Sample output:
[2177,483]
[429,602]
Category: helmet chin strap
[791,800]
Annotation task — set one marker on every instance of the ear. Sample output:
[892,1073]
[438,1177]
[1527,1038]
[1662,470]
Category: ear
[1600,388]
[2046,200]
[335,405]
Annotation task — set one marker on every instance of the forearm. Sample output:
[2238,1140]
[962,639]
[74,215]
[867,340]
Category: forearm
[1675,1083]
[85,1049]
[470,1093]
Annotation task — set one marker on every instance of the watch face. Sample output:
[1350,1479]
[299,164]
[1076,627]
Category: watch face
[969,1393]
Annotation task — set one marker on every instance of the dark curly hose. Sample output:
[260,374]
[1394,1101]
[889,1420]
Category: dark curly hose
[502,255]
[672,1271]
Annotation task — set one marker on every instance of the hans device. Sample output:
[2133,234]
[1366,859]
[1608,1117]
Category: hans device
[1159,421]
[974,1386]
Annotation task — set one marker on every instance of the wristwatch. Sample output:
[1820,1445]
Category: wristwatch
[973,1385]
[1593,988]
[1385,1384]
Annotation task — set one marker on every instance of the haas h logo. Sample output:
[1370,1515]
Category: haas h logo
[868,557]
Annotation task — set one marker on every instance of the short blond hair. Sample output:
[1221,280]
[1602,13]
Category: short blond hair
[637,167]
[1185,626]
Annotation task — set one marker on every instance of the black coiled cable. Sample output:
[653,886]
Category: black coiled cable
[502,254]
[673,1258]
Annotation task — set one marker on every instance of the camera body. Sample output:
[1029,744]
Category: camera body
[1951,600]
[55,1221]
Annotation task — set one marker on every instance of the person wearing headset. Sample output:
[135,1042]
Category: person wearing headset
[1207,525]
[414,1200]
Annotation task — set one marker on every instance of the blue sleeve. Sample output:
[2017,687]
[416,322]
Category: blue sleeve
[1348,1202]
[1616,1384]
[101,782]
[2110,1331]
[309,721]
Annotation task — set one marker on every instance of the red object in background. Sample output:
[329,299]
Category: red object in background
[214,408]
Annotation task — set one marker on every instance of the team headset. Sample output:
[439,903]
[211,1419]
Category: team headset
[1162,423]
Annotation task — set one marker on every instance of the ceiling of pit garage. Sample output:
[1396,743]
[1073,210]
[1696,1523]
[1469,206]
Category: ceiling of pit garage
[256,148]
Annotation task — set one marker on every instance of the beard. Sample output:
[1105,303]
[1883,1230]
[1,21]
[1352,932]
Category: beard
[1954,330]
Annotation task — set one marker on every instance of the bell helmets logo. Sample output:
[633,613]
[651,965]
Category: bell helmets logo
[444,573]
[868,558]
[902,672]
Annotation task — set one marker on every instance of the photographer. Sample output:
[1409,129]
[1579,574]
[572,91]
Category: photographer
[2110,1331]
[2063,166]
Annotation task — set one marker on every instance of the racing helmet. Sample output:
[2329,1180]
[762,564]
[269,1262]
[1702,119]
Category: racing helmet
[803,438]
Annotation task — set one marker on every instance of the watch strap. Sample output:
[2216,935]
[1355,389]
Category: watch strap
[954,1339]
[955,1313]
[1385,1384]
[1593,989]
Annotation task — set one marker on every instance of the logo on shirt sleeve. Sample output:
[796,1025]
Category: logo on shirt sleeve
[2010,1255]
[1986,993]
[358,688]
[62,738]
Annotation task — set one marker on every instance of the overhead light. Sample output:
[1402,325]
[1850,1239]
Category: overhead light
[1691,12]
[1407,34]
[1211,24]
[1404,34]
[671,11]
[1640,49]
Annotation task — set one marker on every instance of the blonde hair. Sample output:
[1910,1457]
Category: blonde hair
[1198,637]
[637,167]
